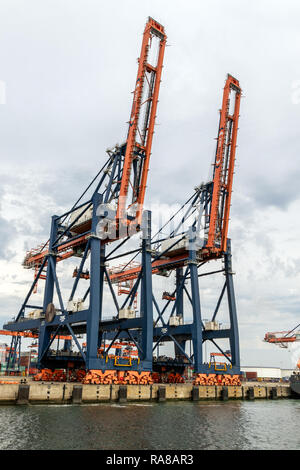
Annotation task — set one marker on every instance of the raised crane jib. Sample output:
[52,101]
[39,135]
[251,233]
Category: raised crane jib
[224,166]
[141,123]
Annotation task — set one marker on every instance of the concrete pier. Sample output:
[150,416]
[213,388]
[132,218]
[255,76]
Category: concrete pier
[74,393]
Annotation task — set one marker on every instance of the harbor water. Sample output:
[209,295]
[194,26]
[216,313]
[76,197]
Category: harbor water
[262,424]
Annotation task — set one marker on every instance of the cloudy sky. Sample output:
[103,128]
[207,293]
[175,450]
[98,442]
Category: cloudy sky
[67,70]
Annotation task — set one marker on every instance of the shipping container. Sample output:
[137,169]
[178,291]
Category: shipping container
[251,375]
[263,372]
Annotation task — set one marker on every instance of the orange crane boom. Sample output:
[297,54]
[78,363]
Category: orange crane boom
[224,166]
[29,334]
[142,118]
[281,338]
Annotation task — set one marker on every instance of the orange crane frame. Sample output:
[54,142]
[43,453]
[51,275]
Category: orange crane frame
[281,340]
[30,334]
[223,175]
[152,29]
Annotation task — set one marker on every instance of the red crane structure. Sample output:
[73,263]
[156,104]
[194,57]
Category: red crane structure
[283,338]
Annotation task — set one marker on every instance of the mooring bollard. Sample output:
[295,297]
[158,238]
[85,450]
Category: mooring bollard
[23,394]
[122,394]
[77,394]
[250,393]
[224,394]
[195,394]
[273,393]
[161,394]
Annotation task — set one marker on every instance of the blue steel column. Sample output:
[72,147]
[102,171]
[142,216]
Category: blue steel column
[234,332]
[102,280]
[49,286]
[146,294]
[179,306]
[44,331]
[96,290]
[14,352]
[179,292]
[67,345]
[197,322]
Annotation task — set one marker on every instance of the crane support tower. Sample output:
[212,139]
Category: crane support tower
[114,212]
[14,353]
[111,226]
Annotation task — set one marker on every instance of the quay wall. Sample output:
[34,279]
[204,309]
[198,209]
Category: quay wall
[74,393]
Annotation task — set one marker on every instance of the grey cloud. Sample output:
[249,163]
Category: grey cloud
[275,191]
[7,231]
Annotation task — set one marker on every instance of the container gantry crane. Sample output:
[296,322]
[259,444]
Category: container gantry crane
[105,224]
[14,354]
[113,214]
[207,211]
[283,338]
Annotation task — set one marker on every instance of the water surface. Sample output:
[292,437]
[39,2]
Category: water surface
[262,424]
